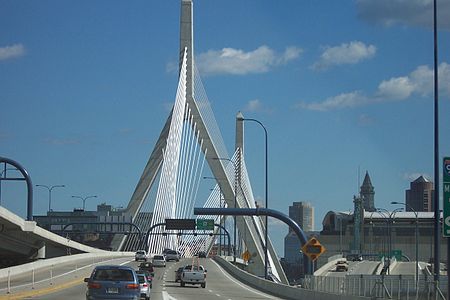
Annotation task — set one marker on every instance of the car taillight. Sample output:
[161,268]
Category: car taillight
[93,285]
[145,285]
[133,286]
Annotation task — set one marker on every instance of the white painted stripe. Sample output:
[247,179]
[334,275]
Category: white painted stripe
[240,284]
[166,296]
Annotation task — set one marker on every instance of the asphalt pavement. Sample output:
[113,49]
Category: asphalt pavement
[220,285]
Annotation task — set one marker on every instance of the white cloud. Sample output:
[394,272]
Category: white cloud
[253,105]
[62,142]
[365,120]
[396,88]
[13,51]
[419,82]
[405,12]
[238,62]
[346,100]
[346,53]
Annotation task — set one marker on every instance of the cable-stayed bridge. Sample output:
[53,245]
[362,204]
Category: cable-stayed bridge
[190,141]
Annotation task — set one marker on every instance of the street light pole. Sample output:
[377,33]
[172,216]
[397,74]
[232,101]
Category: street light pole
[266,258]
[220,217]
[417,238]
[84,199]
[50,188]
[1,176]
[235,203]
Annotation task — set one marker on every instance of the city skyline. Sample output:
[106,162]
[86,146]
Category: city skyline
[87,87]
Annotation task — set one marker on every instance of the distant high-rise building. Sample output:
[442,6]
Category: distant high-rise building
[367,193]
[303,214]
[420,195]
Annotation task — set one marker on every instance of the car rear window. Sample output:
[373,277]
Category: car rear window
[113,275]
[141,278]
[158,257]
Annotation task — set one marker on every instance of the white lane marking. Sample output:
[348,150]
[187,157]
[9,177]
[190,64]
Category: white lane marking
[210,291]
[166,296]
[217,295]
[240,284]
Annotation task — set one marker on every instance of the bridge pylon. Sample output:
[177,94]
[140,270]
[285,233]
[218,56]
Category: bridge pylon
[191,127]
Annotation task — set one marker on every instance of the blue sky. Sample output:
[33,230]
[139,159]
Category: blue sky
[86,86]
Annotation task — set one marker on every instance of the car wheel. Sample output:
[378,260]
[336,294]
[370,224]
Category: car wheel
[203,285]
[182,284]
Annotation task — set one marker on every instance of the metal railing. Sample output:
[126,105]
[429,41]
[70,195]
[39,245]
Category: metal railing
[378,286]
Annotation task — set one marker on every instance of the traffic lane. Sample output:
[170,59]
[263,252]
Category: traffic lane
[69,286]
[52,274]
[364,268]
[219,284]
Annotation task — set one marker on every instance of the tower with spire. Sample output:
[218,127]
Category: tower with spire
[367,193]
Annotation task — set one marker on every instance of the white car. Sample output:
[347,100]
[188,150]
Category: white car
[193,275]
[140,255]
[159,261]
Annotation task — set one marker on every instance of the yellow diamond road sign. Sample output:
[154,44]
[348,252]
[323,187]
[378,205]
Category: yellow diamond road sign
[246,256]
[313,249]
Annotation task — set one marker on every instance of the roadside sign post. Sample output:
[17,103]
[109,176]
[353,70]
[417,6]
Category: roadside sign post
[180,224]
[205,224]
[446,197]
[313,249]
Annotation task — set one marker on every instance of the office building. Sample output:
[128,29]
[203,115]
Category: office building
[303,214]
[420,195]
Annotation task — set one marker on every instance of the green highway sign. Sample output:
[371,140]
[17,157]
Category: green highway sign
[205,224]
[446,197]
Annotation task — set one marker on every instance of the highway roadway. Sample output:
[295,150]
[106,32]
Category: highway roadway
[354,268]
[220,285]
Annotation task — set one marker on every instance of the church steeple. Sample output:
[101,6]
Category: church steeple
[367,192]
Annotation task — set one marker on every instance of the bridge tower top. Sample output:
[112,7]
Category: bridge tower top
[187,42]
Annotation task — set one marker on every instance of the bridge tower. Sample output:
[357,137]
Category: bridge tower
[234,186]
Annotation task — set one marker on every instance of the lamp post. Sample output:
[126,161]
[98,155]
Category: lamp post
[84,199]
[386,217]
[220,204]
[266,258]
[50,188]
[1,176]
[417,237]
[391,218]
[371,236]
[235,203]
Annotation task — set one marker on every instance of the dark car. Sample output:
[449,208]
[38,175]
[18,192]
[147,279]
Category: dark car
[113,282]
[147,266]
[178,274]
[202,254]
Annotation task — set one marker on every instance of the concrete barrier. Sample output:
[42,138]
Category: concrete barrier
[277,289]
[44,263]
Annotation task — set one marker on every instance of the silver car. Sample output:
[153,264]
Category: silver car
[159,261]
[144,285]
[172,255]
